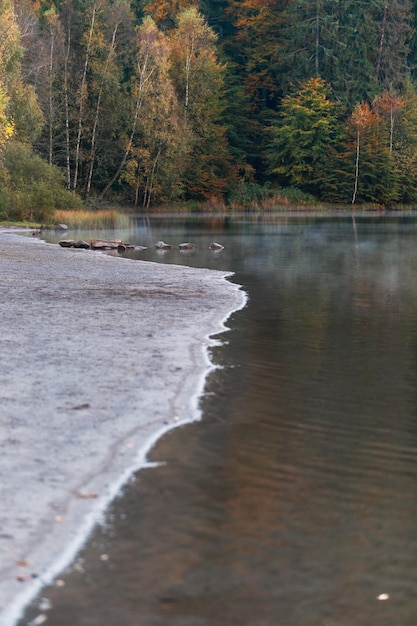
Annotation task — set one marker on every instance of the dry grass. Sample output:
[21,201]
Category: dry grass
[99,219]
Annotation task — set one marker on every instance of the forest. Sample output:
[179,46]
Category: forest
[149,102]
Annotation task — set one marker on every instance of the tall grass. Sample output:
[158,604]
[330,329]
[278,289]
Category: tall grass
[99,219]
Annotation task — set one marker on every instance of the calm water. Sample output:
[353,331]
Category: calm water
[294,501]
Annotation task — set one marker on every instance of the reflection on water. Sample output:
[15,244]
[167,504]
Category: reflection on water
[294,501]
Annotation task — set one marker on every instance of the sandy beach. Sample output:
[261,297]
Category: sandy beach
[99,356]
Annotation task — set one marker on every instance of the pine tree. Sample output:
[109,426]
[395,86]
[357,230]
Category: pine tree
[336,41]
[394,38]
[306,132]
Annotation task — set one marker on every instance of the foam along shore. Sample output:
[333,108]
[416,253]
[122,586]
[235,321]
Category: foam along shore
[99,356]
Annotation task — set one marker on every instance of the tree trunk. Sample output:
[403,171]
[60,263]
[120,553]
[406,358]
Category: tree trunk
[66,105]
[143,79]
[97,113]
[317,38]
[149,184]
[51,98]
[355,189]
[381,41]
[82,96]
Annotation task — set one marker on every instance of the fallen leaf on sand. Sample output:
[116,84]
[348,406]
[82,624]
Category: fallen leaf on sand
[86,496]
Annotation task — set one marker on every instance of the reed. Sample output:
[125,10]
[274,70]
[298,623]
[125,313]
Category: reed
[99,219]
[212,205]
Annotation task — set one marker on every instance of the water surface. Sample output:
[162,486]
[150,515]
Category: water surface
[294,501]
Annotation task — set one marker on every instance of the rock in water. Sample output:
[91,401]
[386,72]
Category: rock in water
[187,246]
[216,246]
[161,245]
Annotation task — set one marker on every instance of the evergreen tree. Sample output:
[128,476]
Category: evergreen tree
[394,38]
[404,143]
[337,41]
[360,168]
[307,130]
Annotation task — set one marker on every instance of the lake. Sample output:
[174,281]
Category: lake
[293,502]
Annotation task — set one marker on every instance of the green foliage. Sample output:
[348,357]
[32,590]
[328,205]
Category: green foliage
[33,190]
[155,101]
[198,79]
[6,123]
[297,196]
[245,192]
[27,115]
[307,129]
[336,41]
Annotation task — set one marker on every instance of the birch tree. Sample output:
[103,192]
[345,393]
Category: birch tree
[198,77]
[107,77]
[83,89]
[150,47]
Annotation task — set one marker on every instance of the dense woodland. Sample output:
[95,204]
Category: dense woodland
[154,101]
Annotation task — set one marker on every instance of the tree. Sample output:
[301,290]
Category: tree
[108,74]
[250,37]
[389,107]
[394,39]
[361,169]
[165,12]
[156,147]
[198,78]
[82,96]
[10,48]
[151,51]
[19,111]
[404,143]
[336,41]
[6,123]
[257,45]
[304,135]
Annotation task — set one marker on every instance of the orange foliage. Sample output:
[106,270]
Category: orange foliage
[363,117]
[165,12]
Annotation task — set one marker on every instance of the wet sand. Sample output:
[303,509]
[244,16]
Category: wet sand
[99,356]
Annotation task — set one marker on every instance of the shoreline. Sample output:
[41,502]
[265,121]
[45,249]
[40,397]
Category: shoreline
[100,357]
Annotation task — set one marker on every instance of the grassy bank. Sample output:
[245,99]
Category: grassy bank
[119,218]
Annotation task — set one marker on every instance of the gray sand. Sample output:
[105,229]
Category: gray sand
[98,357]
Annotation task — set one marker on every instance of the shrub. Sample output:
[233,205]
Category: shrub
[246,192]
[297,196]
[34,189]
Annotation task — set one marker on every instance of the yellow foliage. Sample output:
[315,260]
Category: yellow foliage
[6,123]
